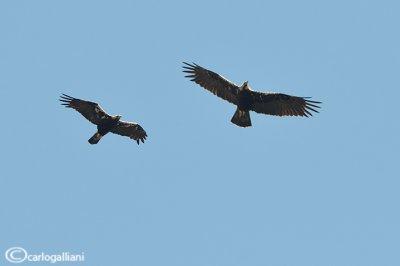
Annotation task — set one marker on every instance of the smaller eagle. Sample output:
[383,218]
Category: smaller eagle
[248,100]
[105,122]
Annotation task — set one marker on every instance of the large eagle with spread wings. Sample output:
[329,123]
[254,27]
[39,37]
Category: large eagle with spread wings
[248,100]
[105,123]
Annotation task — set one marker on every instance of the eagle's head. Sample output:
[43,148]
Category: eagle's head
[245,85]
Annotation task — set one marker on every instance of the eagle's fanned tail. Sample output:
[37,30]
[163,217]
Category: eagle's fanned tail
[241,118]
[95,138]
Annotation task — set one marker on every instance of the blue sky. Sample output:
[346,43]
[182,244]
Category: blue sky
[201,191]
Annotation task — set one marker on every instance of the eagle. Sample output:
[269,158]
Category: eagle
[105,123]
[246,99]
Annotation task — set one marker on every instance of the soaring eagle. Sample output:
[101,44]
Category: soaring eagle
[105,122]
[248,100]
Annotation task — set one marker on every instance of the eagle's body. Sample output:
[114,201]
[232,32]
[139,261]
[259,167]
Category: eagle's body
[248,100]
[245,103]
[104,128]
[245,100]
[105,123]
[108,125]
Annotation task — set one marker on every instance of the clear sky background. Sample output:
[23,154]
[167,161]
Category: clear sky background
[201,191]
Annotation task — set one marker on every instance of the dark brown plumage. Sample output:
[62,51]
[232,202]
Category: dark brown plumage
[248,100]
[105,122]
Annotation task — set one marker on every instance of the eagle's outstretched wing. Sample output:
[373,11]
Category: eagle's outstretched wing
[90,110]
[131,130]
[213,82]
[282,104]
